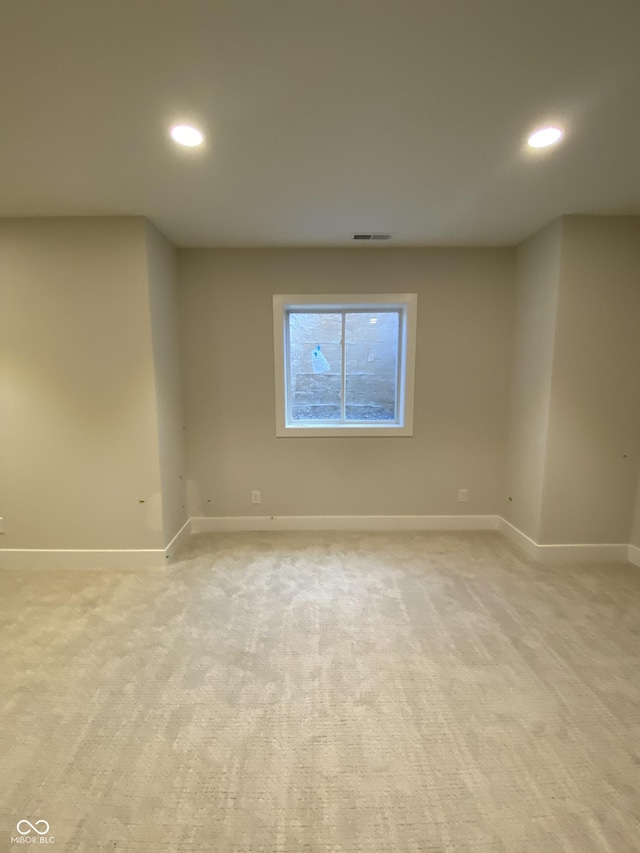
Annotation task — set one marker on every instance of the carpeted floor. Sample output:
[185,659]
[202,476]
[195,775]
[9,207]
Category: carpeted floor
[325,693]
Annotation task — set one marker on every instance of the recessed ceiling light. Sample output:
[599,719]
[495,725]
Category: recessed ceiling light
[544,137]
[373,320]
[184,134]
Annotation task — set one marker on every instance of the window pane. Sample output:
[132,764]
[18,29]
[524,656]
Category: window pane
[372,365]
[315,362]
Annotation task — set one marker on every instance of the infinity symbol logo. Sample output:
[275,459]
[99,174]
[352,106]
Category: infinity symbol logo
[32,827]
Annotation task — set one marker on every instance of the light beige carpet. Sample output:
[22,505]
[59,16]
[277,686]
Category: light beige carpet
[325,693]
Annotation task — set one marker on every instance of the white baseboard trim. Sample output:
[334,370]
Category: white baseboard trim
[28,558]
[519,538]
[24,558]
[578,553]
[72,558]
[181,536]
[226,524]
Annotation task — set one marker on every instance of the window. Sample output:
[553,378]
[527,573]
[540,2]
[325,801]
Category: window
[344,364]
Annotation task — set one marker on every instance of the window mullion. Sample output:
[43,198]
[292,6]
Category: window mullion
[343,381]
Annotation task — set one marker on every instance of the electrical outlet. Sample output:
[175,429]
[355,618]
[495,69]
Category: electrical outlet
[256,497]
[463,496]
[1,525]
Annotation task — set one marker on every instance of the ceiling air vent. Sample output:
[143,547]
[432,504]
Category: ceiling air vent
[372,236]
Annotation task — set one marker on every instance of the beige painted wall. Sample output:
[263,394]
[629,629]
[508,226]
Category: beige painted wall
[90,397]
[161,266]
[462,384]
[78,431]
[593,447]
[537,282]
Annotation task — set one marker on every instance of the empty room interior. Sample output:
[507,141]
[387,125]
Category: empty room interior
[320,426]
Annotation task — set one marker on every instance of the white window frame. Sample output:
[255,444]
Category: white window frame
[405,303]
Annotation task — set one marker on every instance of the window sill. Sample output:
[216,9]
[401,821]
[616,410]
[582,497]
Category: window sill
[345,431]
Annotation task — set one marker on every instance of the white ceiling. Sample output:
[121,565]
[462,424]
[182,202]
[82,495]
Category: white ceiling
[322,117]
